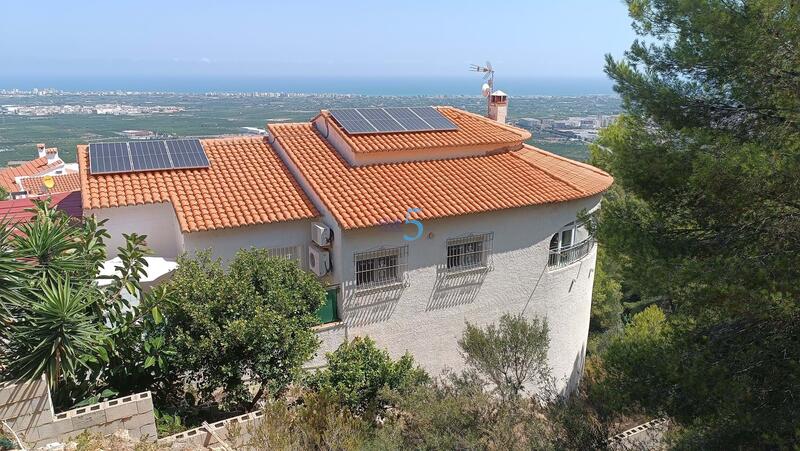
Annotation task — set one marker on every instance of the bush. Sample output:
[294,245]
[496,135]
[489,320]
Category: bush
[511,355]
[635,363]
[358,372]
[251,321]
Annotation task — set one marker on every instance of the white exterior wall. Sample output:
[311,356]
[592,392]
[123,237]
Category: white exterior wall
[427,315]
[157,221]
[226,242]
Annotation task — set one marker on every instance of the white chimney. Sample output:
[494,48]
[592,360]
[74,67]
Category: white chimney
[40,149]
[52,155]
[498,106]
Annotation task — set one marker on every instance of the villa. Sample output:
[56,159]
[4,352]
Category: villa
[416,219]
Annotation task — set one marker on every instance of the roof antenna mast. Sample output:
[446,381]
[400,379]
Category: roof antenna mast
[488,77]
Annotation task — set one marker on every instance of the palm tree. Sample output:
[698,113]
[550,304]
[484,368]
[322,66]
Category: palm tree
[56,334]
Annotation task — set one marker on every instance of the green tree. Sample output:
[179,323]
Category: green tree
[511,355]
[606,295]
[705,158]
[359,372]
[252,320]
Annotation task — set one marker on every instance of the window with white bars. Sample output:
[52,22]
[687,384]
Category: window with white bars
[380,268]
[290,253]
[469,252]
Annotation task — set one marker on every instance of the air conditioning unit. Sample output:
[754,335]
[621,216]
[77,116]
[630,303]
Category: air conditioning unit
[321,234]
[319,261]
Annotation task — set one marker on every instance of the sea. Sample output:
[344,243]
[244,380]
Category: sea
[387,86]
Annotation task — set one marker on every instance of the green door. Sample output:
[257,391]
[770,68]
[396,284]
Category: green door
[327,313]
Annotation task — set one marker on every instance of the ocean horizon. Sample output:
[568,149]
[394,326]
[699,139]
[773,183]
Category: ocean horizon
[373,86]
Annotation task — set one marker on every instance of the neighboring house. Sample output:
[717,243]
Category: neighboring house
[414,232]
[19,210]
[25,179]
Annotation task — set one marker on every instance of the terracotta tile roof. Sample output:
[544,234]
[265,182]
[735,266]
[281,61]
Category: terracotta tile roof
[582,176]
[63,183]
[34,167]
[245,184]
[15,211]
[366,196]
[472,130]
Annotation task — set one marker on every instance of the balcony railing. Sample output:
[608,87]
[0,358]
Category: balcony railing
[568,255]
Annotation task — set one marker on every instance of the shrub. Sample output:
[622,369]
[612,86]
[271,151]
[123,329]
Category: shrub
[252,320]
[511,355]
[358,372]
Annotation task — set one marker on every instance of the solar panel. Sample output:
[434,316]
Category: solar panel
[433,117]
[410,121]
[149,155]
[187,153]
[391,120]
[108,158]
[352,121]
[381,120]
[138,156]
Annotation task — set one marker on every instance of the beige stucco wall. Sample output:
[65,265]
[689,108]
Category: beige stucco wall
[427,315]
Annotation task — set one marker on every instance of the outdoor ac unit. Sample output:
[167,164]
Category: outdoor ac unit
[319,260]
[321,234]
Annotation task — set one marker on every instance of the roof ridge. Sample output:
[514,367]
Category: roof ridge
[594,169]
[511,128]
[550,174]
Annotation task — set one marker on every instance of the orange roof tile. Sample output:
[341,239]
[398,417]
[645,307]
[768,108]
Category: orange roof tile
[246,183]
[366,196]
[63,183]
[34,167]
[473,130]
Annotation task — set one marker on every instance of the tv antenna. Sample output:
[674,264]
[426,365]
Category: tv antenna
[488,78]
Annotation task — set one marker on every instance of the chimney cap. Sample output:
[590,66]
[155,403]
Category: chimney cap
[51,150]
[40,146]
[499,93]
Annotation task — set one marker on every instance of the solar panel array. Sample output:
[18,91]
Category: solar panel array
[138,156]
[392,120]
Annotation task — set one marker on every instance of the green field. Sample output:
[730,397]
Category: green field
[213,116]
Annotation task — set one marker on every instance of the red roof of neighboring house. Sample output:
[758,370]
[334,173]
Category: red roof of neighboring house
[34,167]
[473,130]
[62,183]
[246,183]
[15,211]
[363,196]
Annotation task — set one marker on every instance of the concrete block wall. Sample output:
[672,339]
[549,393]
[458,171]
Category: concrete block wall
[207,438]
[27,408]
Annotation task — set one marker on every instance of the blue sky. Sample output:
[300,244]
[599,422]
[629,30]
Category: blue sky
[307,38]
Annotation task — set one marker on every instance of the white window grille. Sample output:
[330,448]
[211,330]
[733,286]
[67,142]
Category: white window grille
[565,247]
[290,253]
[380,268]
[469,252]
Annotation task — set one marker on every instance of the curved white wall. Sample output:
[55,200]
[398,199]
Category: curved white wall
[428,314]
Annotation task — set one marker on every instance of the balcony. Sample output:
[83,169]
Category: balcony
[571,254]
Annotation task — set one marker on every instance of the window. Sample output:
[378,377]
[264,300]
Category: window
[290,253]
[564,247]
[469,252]
[380,268]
